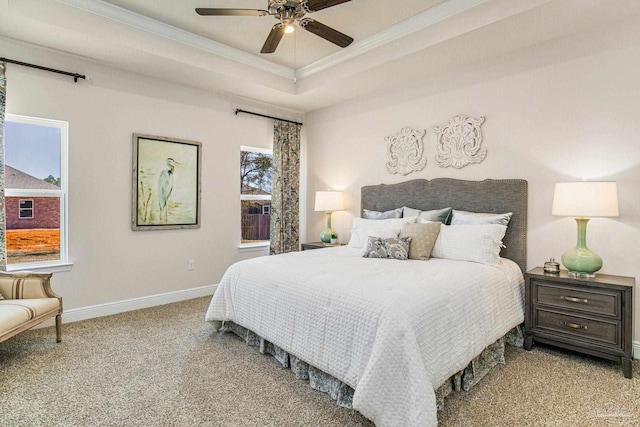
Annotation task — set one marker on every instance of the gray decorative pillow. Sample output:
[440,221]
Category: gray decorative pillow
[475,218]
[394,213]
[1,297]
[440,215]
[392,248]
[423,238]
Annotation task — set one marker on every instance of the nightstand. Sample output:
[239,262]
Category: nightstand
[319,245]
[591,316]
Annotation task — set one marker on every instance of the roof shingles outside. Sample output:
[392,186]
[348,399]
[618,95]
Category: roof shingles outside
[16,179]
[251,190]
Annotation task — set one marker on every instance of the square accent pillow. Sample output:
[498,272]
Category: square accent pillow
[475,218]
[393,248]
[475,243]
[394,213]
[441,215]
[423,238]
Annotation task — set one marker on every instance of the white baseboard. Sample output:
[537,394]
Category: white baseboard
[636,349]
[107,309]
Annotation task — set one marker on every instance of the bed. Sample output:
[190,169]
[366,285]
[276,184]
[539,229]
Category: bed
[389,338]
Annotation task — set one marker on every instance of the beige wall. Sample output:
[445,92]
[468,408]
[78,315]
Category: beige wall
[557,112]
[111,262]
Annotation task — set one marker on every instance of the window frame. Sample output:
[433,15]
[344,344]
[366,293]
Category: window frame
[63,263]
[20,208]
[247,247]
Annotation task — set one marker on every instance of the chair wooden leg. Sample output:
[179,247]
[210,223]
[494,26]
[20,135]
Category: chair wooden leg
[58,328]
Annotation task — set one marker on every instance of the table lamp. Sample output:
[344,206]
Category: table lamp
[584,200]
[329,201]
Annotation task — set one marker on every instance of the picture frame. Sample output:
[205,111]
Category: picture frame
[166,183]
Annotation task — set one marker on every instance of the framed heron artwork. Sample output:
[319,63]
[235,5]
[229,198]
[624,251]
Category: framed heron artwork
[166,183]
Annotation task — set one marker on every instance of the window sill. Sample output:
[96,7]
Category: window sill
[56,267]
[253,247]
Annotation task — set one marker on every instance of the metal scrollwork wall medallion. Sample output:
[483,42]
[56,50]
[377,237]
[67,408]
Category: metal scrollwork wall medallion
[405,151]
[460,142]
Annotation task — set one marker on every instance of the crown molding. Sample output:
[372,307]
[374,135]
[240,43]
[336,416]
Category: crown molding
[400,30]
[146,24]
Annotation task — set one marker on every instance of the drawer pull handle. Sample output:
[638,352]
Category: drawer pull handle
[572,299]
[574,325]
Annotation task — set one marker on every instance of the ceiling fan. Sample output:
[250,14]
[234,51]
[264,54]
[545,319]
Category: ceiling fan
[288,12]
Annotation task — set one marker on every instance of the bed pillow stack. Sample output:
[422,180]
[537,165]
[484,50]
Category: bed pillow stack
[472,236]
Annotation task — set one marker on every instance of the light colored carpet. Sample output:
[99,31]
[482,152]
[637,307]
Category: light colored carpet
[165,366]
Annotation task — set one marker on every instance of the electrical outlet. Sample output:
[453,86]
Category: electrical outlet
[191,264]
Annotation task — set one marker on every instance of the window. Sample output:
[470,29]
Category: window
[25,209]
[35,176]
[256,172]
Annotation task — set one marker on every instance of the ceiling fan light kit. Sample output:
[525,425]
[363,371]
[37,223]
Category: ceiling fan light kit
[288,12]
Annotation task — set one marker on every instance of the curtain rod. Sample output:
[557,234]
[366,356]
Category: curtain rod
[237,110]
[75,76]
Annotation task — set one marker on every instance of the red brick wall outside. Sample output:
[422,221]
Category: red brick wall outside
[46,213]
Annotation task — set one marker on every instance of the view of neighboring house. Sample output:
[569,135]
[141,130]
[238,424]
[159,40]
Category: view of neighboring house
[26,212]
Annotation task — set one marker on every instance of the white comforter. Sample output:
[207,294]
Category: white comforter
[393,330]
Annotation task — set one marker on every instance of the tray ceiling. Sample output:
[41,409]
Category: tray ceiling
[395,41]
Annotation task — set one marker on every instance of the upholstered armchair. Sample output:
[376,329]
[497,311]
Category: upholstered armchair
[26,299]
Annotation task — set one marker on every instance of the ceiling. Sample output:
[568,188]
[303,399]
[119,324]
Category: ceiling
[395,41]
[249,33]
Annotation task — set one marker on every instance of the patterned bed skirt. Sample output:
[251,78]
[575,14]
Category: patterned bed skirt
[343,394]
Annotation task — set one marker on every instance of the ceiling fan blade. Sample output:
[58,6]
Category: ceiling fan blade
[273,39]
[315,5]
[205,11]
[327,33]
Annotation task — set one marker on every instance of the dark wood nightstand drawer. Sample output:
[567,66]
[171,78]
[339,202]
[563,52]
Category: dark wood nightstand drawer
[593,316]
[318,245]
[601,302]
[606,332]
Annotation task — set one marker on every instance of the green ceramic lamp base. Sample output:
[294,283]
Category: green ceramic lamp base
[328,235]
[580,261]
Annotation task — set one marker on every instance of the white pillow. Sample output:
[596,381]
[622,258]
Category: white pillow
[440,215]
[362,228]
[475,243]
[475,218]
[394,213]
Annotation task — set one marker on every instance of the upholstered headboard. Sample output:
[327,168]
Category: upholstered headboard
[490,195]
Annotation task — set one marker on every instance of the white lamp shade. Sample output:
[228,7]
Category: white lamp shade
[329,201]
[585,199]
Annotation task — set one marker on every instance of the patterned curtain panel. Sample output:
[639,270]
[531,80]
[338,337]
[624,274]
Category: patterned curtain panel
[285,201]
[3,97]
